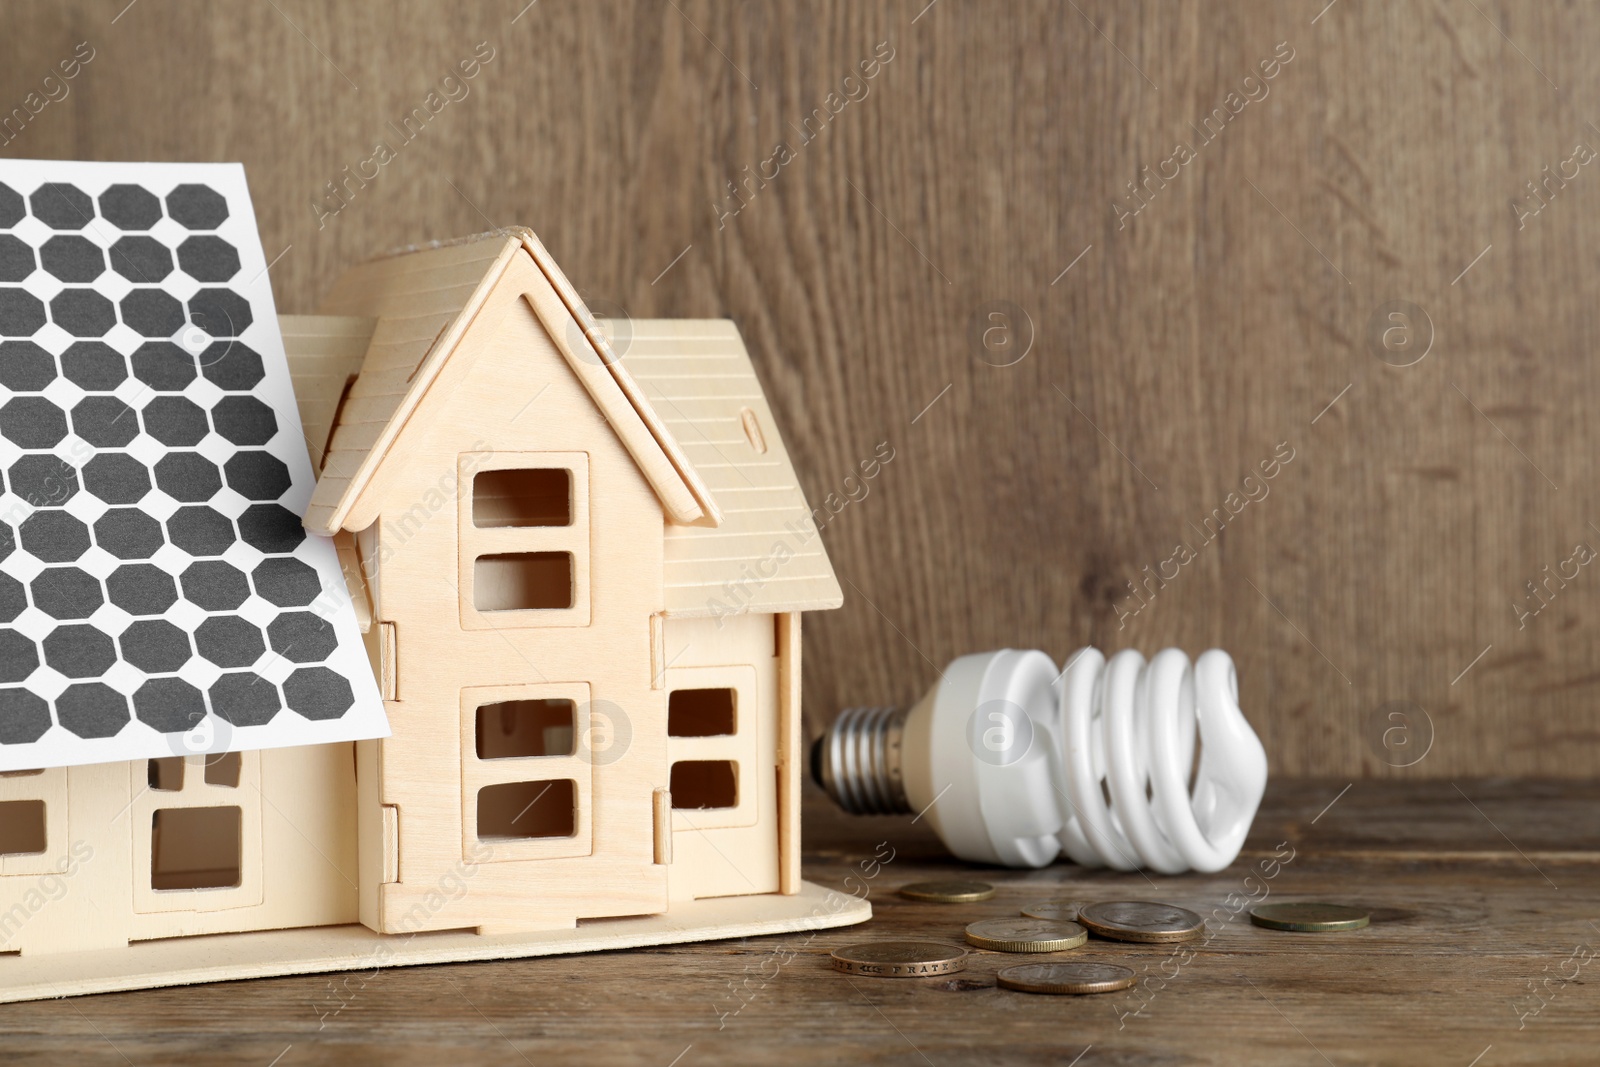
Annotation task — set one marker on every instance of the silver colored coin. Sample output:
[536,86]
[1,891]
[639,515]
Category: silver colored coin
[1066,978]
[1026,935]
[900,959]
[1141,920]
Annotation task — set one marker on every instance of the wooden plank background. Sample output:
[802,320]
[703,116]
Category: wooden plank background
[1388,561]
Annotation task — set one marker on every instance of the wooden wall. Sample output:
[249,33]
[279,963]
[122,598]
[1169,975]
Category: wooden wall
[1189,342]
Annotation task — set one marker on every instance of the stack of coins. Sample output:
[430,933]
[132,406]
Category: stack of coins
[1059,926]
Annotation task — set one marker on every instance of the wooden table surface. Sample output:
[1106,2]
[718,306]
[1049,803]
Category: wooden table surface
[1484,895]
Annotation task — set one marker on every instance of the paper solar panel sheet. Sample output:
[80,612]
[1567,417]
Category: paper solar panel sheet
[158,594]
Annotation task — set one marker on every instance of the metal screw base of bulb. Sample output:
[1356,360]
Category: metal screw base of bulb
[857,761]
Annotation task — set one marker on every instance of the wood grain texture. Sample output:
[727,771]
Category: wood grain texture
[978,163]
[1462,922]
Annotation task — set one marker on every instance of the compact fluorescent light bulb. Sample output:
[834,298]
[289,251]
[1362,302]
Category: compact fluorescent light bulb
[1013,762]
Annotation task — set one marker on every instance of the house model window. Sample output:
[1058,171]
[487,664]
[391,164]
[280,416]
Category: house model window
[510,729]
[533,496]
[713,738]
[22,827]
[527,786]
[707,713]
[525,539]
[197,832]
[516,810]
[195,848]
[33,821]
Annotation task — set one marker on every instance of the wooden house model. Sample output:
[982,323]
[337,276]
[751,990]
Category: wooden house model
[589,652]
[579,566]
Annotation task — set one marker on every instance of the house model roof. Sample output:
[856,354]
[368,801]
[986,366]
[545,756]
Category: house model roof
[681,394]
[699,378]
[423,301]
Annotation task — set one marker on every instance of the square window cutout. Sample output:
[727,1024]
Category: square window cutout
[166,774]
[22,828]
[700,712]
[224,769]
[522,810]
[705,783]
[522,581]
[535,496]
[513,729]
[195,848]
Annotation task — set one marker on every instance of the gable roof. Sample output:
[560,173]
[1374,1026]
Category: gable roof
[767,554]
[683,394]
[424,300]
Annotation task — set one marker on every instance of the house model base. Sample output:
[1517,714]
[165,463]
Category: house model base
[354,948]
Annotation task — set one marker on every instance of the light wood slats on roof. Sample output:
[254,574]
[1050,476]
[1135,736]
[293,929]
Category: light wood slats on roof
[766,555]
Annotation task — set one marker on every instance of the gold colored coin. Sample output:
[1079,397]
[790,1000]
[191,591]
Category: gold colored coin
[952,892]
[900,959]
[1026,935]
[1141,920]
[1309,918]
[1058,910]
[1066,978]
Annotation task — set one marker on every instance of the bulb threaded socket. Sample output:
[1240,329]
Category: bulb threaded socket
[857,761]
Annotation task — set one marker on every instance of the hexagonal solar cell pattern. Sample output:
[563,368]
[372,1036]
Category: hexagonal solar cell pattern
[153,569]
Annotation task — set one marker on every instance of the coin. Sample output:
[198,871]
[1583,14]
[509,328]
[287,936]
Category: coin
[1065,978]
[1141,920]
[900,959]
[1309,918]
[1026,935]
[1059,910]
[953,892]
